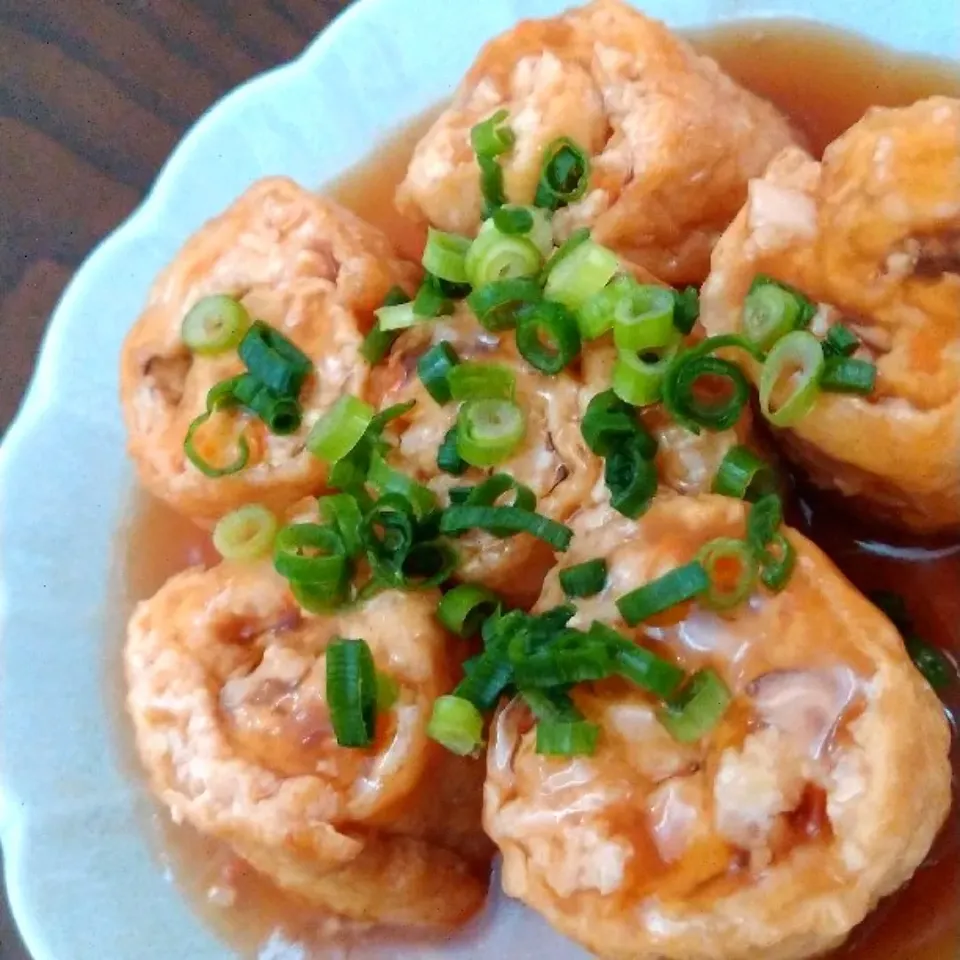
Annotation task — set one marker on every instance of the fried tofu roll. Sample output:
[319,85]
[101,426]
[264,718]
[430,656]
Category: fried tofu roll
[871,236]
[798,774]
[669,138]
[313,273]
[228,692]
[548,456]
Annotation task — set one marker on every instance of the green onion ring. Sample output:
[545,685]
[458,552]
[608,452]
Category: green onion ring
[214,324]
[489,431]
[246,533]
[800,356]
[716,555]
[553,323]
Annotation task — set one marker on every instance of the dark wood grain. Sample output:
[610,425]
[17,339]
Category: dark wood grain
[94,95]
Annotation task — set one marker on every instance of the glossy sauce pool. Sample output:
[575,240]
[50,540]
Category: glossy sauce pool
[824,81]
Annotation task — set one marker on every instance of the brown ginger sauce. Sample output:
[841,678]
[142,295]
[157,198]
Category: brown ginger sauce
[824,80]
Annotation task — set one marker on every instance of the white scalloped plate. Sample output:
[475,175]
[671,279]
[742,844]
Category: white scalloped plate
[83,880]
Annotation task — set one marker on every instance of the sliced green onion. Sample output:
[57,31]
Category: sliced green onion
[732,568]
[584,272]
[391,413]
[567,738]
[487,493]
[630,477]
[697,708]
[486,679]
[584,579]
[764,520]
[457,725]
[246,533]
[790,378]
[387,480]
[495,256]
[497,305]
[352,692]
[536,225]
[743,475]
[388,533]
[431,301]
[342,512]
[931,662]
[491,184]
[717,410]
[214,325]
[433,367]
[638,380]
[564,661]
[564,175]
[463,517]
[445,254]
[769,313]
[489,431]
[209,469]
[281,414]
[388,692]
[637,664]
[608,421]
[513,220]
[777,561]
[492,137]
[427,565]
[340,429]
[274,360]
[551,705]
[547,336]
[463,610]
[392,319]
[643,318]
[596,316]
[482,381]
[772,310]
[311,553]
[377,343]
[579,236]
[686,309]
[448,459]
[840,341]
[848,375]
[679,585]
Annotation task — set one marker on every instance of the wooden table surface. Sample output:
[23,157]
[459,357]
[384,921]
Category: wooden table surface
[94,94]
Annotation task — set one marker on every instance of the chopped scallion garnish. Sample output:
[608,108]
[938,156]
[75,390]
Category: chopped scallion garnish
[790,378]
[679,585]
[214,325]
[351,692]
[456,724]
[547,336]
[433,368]
[246,533]
[564,175]
[697,708]
[584,579]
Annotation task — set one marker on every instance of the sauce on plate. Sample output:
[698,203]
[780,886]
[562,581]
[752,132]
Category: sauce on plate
[824,80]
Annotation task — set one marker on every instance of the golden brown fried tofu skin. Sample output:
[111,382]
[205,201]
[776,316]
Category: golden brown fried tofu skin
[819,791]
[872,236]
[671,139]
[552,459]
[308,268]
[227,690]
